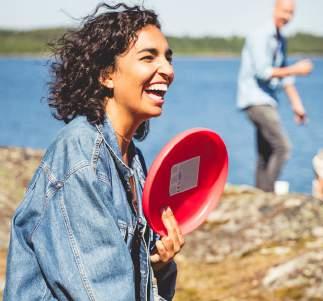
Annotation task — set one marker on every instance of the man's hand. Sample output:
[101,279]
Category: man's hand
[299,114]
[296,104]
[168,246]
[302,67]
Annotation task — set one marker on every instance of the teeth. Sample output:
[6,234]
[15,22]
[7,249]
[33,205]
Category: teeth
[158,87]
[155,97]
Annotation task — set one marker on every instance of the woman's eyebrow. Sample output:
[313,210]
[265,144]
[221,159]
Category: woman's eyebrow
[153,51]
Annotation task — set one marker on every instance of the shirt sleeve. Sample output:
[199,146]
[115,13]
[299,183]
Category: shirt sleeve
[77,248]
[261,55]
[288,80]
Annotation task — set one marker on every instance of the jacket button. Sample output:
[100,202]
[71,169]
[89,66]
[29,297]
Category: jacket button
[59,184]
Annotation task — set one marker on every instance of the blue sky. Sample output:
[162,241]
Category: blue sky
[179,17]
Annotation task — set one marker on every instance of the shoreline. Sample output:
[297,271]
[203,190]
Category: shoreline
[176,56]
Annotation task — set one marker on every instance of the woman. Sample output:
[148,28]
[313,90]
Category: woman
[80,233]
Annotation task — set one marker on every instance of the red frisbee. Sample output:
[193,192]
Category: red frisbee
[188,175]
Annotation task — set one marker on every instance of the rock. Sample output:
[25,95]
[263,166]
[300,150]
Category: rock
[283,234]
[242,224]
[317,231]
[304,271]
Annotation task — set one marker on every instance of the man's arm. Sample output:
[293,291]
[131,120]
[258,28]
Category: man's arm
[303,67]
[261,54]
[296,103]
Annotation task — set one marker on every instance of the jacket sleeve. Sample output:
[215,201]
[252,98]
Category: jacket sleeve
[166,281]
[23,276]
[77,245]
[165,277]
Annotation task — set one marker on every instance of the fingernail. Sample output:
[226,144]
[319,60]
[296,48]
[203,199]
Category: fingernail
[162,210]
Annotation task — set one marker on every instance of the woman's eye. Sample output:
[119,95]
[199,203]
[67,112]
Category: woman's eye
[169,59]
[147,58]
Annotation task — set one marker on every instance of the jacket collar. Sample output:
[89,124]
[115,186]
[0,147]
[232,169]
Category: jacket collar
[111,142]
[273,31]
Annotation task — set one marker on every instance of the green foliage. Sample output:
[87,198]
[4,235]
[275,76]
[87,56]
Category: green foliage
[36,42]
[206,45]
[28,42]
[305,43]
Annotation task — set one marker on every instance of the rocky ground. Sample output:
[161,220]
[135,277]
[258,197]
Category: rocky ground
[254,246]
[16,168]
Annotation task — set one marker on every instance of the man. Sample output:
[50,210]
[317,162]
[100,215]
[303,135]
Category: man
[263,72]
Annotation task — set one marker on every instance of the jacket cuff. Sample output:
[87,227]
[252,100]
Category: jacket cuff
[166,280]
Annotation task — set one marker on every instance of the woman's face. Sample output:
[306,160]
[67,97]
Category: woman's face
[142,75]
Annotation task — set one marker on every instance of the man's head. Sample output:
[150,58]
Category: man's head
[283,12]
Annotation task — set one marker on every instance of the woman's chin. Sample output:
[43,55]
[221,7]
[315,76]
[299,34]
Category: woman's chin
[155,112]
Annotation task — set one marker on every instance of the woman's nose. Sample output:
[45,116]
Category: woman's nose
[166,69]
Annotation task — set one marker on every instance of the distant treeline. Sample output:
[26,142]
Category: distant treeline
[35,42]
[28,42]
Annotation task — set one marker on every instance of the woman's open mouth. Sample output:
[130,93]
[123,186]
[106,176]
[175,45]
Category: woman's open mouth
[157,91]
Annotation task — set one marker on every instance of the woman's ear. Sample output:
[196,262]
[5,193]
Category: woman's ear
[106,78]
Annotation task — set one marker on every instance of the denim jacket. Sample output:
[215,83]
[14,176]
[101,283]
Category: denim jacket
[76,235]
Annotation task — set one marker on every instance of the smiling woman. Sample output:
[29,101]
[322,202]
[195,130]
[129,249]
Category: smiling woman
[140,80]
[80,232]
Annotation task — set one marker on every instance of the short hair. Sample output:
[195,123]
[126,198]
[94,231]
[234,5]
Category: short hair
[80,56]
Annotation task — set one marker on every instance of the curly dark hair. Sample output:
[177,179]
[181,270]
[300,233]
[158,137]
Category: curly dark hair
[81,55]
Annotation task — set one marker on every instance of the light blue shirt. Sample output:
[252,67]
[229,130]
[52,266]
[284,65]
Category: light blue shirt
[264,49]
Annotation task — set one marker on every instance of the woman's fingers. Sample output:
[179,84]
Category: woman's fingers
[168,246]
[162,251]
[173,230]
[155,258]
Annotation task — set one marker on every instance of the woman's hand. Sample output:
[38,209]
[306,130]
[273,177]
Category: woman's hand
[168,246]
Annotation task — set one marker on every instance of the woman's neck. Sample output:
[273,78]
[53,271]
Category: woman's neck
[123,143]
[124,127]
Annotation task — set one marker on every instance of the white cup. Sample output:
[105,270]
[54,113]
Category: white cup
[281,187]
